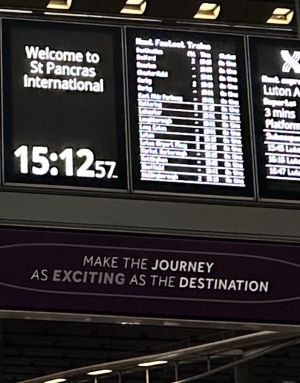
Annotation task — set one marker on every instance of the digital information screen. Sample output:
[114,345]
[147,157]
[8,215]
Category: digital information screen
[64,121]
[189,113]
[275,69]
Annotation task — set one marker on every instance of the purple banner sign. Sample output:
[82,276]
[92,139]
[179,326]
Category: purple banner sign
[149,276]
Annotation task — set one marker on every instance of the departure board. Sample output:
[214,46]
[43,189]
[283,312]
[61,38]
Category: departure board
[188,113]
[275,69]
[63,100]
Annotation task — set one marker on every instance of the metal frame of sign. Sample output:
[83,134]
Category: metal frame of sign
[134,193]
[172,214]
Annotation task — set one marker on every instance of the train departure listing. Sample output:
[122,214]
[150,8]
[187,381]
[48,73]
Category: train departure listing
[188,106]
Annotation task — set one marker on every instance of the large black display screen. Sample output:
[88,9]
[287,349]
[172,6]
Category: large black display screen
[189,113]
[63,101]
[275,69]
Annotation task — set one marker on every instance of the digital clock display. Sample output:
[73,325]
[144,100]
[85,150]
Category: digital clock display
[42,159]
[63,102]
[189,115]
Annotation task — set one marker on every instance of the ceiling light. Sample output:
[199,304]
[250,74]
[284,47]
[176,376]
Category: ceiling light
[281,16]
[59,4]
[56,380]
[154,363]
[130,323]
[208,11]
[99,372]
[14,10]
[136,7]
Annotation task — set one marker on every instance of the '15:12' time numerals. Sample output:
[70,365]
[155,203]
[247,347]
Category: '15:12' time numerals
[39,161]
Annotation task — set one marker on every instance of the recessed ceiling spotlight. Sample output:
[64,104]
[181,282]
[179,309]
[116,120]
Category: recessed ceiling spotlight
[209,11]
[134,7]
[59,4]
[281,16]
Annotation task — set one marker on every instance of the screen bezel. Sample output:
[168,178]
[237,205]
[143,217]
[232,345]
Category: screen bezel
[268,189]
[116,32]
[221,192]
